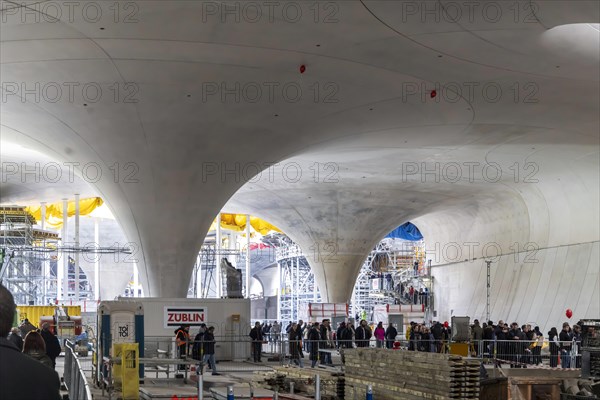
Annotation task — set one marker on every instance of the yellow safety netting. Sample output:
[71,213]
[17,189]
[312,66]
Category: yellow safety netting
[54,211]
[54,216]
[237,222]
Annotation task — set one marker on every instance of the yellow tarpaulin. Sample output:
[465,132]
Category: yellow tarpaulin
[237,222]
[54,216]
[54,211]
[35,313]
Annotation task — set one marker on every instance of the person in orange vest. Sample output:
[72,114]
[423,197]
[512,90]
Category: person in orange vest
[182,339]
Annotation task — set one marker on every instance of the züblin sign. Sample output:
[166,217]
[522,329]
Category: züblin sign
[176,316]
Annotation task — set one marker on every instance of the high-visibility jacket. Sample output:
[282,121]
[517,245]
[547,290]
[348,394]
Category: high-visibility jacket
[182,337]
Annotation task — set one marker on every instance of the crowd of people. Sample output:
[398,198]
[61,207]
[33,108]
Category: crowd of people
[27,357]
[516,345]
[522,345]
[319,339]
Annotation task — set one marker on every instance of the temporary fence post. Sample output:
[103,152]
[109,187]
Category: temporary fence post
[317,387]
[230,393]
[200,382]
[369,392]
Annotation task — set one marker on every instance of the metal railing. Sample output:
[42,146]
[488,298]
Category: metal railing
[74,375]
[523,353]
[513,353]
[516,353]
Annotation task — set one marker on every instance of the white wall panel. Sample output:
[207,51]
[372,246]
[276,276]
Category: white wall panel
[565,277]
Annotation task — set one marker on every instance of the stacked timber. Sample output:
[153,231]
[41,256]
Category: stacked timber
[410,375]
[332,383]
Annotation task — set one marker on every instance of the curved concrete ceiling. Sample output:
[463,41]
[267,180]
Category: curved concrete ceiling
[180,106]
[29,177]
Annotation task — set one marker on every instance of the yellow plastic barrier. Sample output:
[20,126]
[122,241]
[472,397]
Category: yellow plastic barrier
[460,349]
[126,375]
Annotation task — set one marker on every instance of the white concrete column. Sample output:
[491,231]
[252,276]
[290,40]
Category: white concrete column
[247,256]
[43,211]
[199,276]
[76,255]
[219,290]
[46,262]
[96,261]
[64,277]
[135,280]
[279,268]
[231,241]
[296,289]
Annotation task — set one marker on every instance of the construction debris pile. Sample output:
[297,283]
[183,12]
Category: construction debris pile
[332,383]
[580,387]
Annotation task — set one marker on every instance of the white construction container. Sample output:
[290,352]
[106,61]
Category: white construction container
[161,317]
[316,312]
[400,315]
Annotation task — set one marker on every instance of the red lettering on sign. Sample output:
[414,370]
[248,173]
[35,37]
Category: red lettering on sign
[189,317]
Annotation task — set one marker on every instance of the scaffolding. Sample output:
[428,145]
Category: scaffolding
[27,256]
[391,263]
[204,278]
[403,261]
[297,286]
[31,257]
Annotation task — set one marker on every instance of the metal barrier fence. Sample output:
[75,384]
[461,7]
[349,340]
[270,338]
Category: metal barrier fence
[523,353]
[74,375]
[163,356]
[513,352]
[516,353]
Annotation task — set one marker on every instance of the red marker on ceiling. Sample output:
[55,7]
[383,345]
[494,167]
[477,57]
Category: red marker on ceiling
[302,68]
[433,94]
